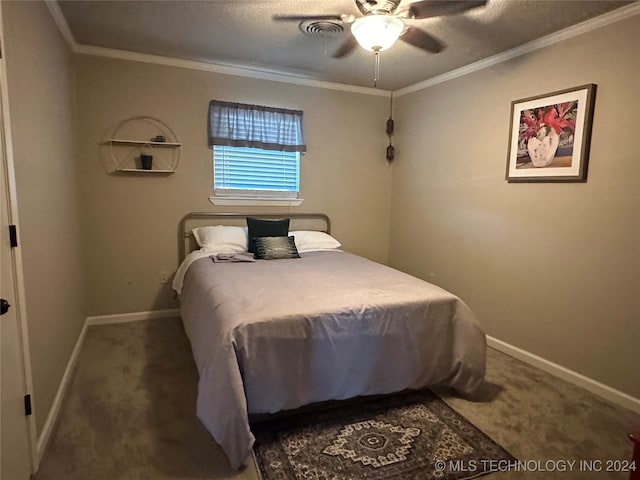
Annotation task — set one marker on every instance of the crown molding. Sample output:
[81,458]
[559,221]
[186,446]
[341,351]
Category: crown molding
[257,73]
[264,74]
[61,23]
[559,36]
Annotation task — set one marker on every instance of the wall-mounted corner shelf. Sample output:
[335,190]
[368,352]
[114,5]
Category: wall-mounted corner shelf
[121,141]
[140,170]
[127,146]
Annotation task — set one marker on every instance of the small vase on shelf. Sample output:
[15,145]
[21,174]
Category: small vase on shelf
[146,161]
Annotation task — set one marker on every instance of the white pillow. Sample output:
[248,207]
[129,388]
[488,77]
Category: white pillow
[222,239]
[310,241]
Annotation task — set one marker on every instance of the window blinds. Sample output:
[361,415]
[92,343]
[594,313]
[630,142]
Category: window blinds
[242,168]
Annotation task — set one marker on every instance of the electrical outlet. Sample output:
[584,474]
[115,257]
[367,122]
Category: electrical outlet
[164,277]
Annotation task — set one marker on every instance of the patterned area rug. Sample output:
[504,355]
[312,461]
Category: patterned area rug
[410,436]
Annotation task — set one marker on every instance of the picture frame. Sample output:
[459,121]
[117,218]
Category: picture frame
[550,136]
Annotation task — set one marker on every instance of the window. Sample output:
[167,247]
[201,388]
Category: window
[255,172]
[256,151]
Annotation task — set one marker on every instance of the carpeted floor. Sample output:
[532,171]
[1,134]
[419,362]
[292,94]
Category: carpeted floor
[130,414]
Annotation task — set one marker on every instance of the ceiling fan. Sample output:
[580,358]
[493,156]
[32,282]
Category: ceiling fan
[383,22]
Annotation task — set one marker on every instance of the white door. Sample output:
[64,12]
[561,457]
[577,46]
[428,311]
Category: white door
[15,452]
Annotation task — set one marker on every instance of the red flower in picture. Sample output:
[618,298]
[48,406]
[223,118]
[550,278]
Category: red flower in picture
[560,117]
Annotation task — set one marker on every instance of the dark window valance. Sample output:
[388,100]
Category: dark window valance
[256,126]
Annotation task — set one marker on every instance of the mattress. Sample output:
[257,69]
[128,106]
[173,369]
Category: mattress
[273,335]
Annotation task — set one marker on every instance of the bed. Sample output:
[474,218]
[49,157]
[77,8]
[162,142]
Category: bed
[273,335]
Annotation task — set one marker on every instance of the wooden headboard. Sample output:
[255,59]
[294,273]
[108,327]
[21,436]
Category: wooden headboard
[299,221]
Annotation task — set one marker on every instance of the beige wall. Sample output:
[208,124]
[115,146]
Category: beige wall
[550,268]
[40,86]
[131,220]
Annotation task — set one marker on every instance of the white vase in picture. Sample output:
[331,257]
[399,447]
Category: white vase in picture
[542,148]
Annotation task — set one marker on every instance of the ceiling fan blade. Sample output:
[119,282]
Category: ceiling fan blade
[302,18]
[436,8]
[346,48]
[421,39]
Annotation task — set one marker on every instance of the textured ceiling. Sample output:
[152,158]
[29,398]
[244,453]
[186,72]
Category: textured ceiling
[241,33]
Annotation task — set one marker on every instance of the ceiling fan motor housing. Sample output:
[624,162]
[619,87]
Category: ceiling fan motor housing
[377,6]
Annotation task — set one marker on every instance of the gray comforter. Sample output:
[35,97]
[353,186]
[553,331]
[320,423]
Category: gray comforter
[275,335]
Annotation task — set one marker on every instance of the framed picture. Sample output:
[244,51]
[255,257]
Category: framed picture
[549,136]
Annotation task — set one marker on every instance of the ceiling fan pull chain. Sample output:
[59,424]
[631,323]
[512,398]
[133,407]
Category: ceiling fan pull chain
[376,69]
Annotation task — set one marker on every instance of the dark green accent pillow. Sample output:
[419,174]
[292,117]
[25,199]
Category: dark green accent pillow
[259,227]
[274,248]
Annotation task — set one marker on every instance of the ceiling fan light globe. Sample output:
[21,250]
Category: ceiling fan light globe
[377,32]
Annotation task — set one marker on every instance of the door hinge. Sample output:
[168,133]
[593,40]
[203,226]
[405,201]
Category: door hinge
[13,236]
[27,405]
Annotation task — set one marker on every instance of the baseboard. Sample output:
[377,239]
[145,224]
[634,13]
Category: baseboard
[132,317]
[593,386]
[54,411]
